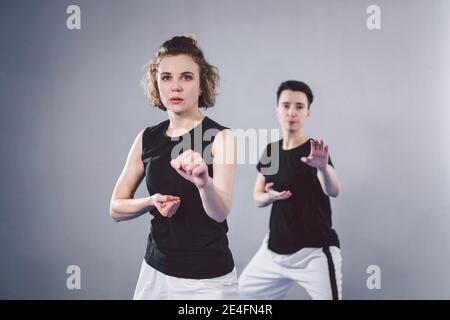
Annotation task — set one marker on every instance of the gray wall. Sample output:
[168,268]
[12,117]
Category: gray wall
[71,106]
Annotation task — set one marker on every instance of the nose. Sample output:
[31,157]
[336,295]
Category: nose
[176,86]
[291,112]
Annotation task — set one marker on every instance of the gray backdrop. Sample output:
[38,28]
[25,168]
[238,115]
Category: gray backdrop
[71,106]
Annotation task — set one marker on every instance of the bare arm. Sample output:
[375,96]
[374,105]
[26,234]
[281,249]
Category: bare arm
[329,181]
[260,196]
[326,174]
[217,193]
[122,205]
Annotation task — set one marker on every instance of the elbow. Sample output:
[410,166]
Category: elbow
[257,203]
[220,220]
[335,192]
[222,216]
[225,214]
[114,215]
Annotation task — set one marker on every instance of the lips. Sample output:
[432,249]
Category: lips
[176,100]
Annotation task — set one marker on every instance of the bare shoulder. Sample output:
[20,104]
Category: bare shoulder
[140,134]
[225,133]
[136,148]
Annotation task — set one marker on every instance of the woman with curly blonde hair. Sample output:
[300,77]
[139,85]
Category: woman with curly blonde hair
[189,163]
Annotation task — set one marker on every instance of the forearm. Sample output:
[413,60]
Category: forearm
[262,199]
[329,181]
[216,202]
[126,209]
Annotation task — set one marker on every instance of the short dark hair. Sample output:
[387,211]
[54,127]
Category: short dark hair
[295,85]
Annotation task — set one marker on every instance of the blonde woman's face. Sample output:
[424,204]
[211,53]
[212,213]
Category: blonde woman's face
[179,83]
[292,110]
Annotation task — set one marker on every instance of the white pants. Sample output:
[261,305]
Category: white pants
[269,275]
[154,285]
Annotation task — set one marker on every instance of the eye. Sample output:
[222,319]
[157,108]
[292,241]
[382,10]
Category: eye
[165,78]
[285,106]
[187,77]
[299,107]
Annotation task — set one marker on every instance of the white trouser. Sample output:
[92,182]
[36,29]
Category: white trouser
[154,285]
[269,275]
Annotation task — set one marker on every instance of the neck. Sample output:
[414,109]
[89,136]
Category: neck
[183,122]
[292,139]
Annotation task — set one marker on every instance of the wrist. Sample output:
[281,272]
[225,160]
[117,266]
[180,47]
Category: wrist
[151,200]
[208,184]
[269,199]
[323,169]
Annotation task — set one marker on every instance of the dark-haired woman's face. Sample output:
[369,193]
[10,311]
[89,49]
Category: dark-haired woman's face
[179,83]
[292,110]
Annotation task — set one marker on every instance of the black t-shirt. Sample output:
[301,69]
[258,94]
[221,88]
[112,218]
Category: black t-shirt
[190,244]
[304,219]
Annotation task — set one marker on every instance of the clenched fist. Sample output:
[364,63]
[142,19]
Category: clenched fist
[167,205]
[191,166]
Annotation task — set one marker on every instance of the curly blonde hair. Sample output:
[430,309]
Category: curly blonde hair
[209,74]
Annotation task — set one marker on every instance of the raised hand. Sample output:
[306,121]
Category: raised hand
[318,157]
[275,195]
[191,166]
[167,205]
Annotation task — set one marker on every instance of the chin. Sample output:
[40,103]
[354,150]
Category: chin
[292,128]
[178,109]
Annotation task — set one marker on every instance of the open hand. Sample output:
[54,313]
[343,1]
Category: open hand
[318,157]
[275,195]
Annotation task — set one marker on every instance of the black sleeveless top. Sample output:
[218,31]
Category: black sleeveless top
[304,219]
[190,244]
